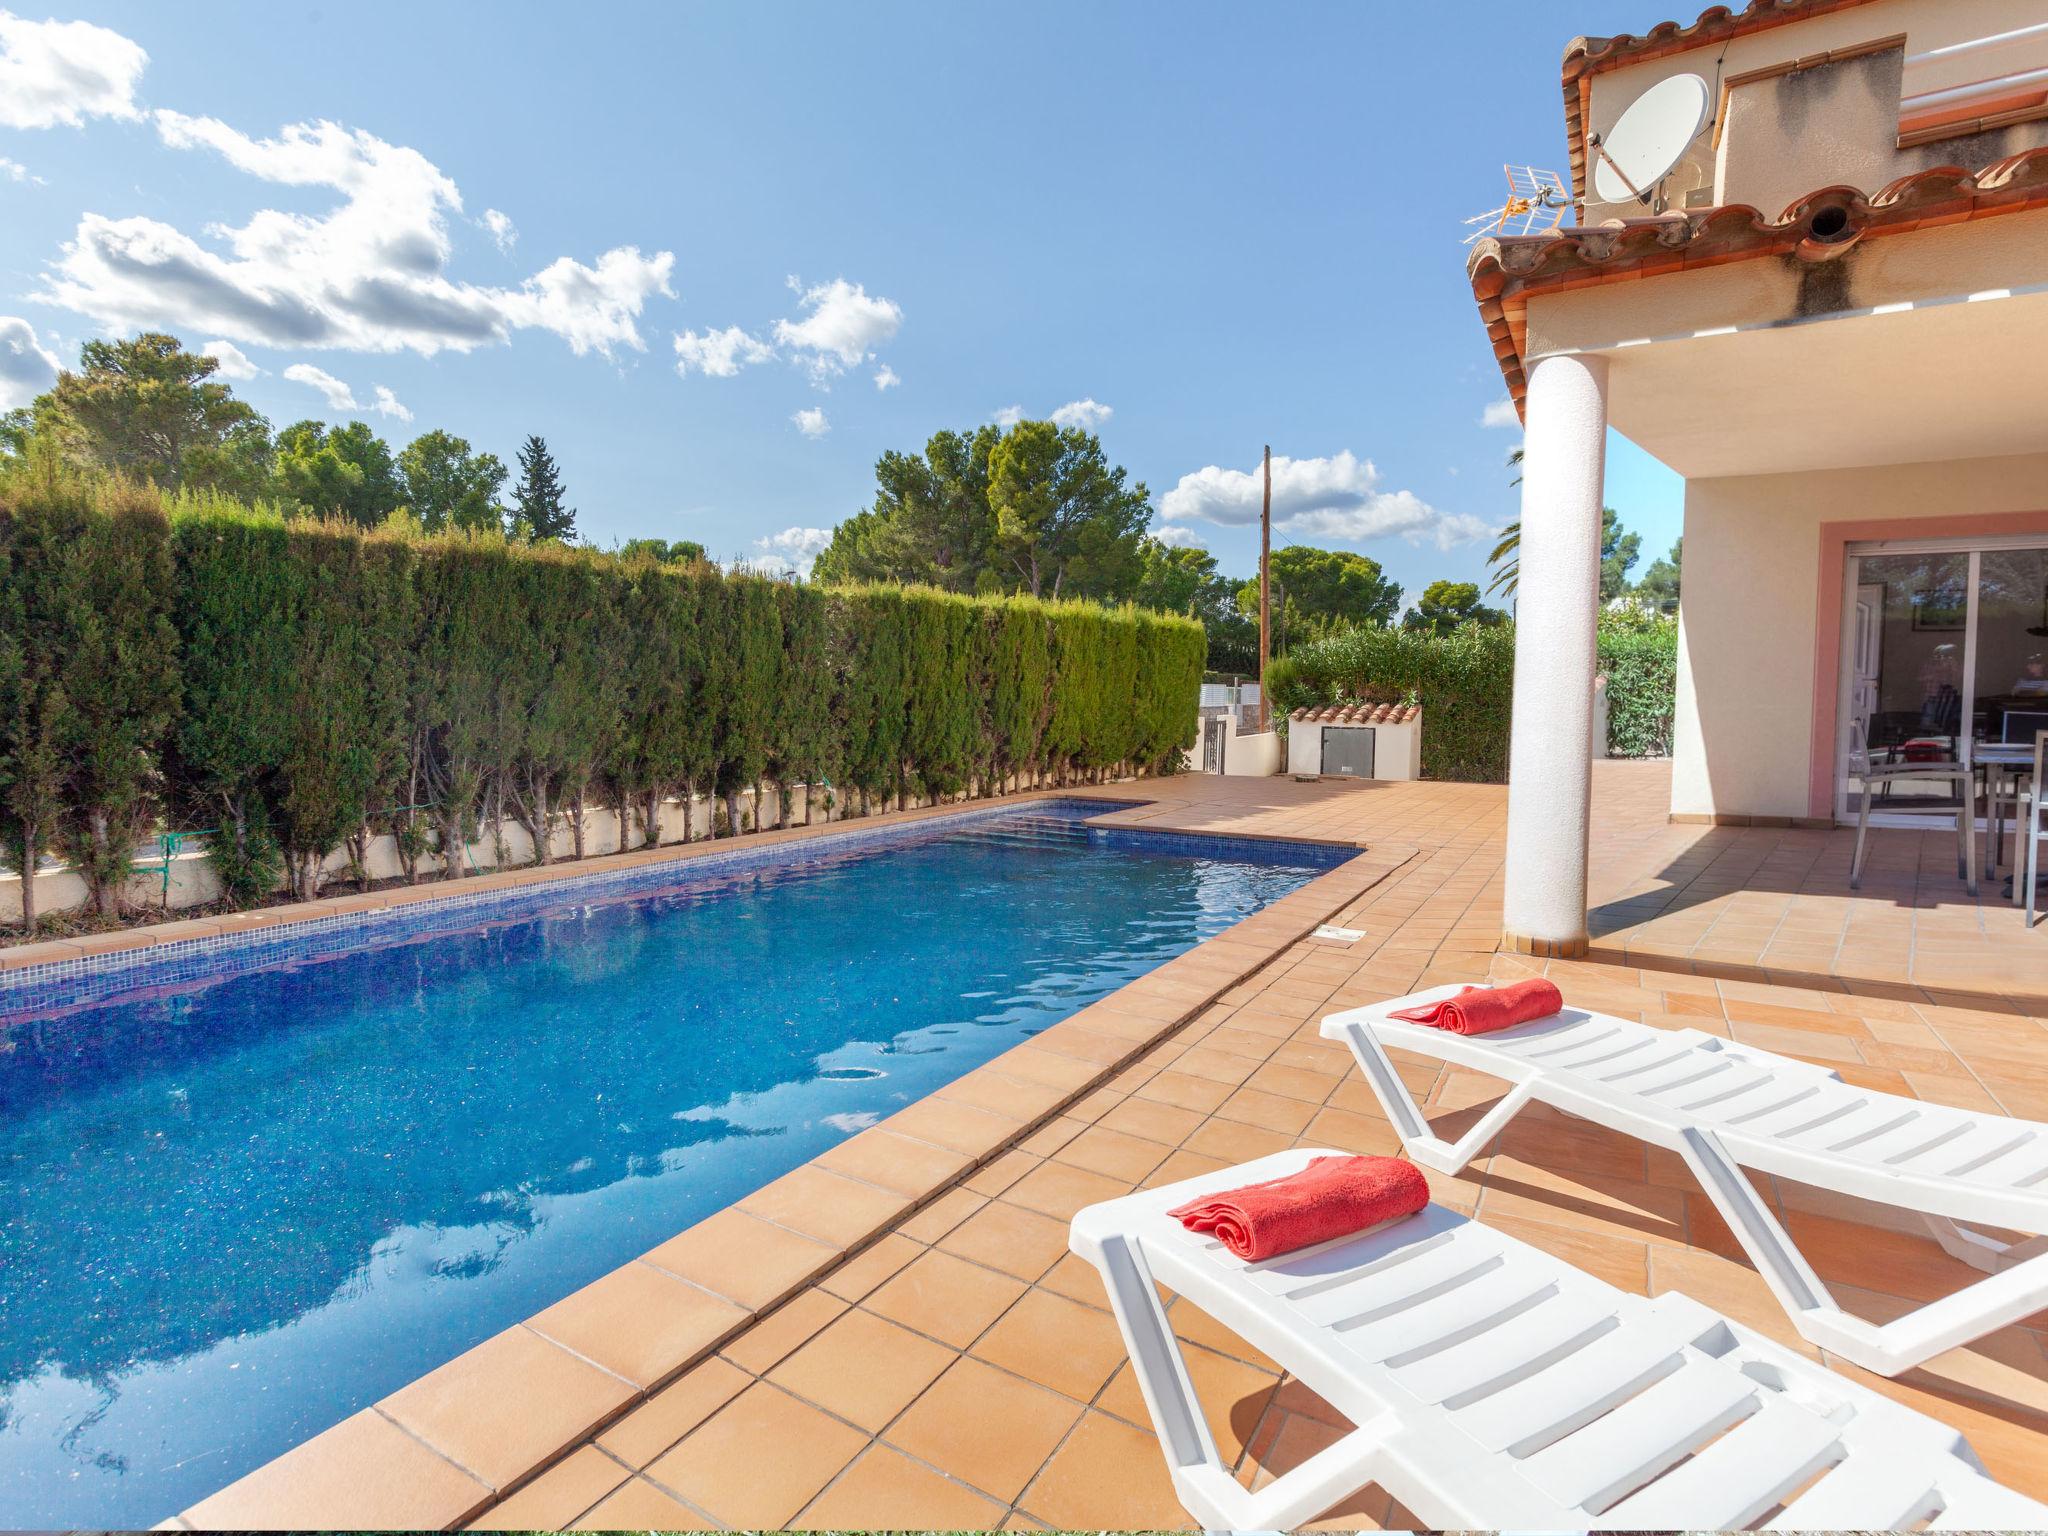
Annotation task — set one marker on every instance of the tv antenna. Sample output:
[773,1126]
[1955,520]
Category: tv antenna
[1536,205]
[1649,140]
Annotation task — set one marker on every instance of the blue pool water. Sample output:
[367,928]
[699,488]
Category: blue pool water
[233,1212]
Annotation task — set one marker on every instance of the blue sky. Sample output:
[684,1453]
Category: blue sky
[1227,226]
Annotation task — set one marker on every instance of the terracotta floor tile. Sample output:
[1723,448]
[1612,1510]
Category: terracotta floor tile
[1633,1211]
[1055,1342]
[869,1268]
[673,1412]
[639,1505]
[509,1404]
[1009,1238]
[364,1472]
[913,1168]
[759,1459]
[985,1426]
[942,1215]
[639,1322]
[1185,1092]
[1058,1190]
[1154,1121]
[558,1495]
[863,1369]
[742,1258]
[1294,1082]
[1267,1111]
[778,1334]
[1233,1395]
[1076,1279]
[945,1297]
[1106,1475]
[824,1206]
[887,1490]
[1103,1150]
[1235,1142]
[957,1127]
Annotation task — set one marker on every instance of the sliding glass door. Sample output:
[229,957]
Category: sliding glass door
[1944,647]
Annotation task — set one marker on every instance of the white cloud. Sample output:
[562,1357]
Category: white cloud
[721,354]
[811,422]
[1008,416]
[27,368]
[338,395]
[500,227]
[841,326]
[388,404]
[1330,498]
[234,363]
[1173,536]
[369,275]
[14,170]
[886,377]
[793,549]
[1499,413]
[1088,415]
[55,72]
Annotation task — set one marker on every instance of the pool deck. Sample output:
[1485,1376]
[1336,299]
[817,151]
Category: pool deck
[895,1336]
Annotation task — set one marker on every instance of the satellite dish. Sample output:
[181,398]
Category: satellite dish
[1651,138]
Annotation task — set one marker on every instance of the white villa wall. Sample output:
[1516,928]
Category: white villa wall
[1748,645]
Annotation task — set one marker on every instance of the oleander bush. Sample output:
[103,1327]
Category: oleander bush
[298,687]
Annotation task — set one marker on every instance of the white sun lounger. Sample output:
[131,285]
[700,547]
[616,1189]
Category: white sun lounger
[1724,1107]
[1492,1385]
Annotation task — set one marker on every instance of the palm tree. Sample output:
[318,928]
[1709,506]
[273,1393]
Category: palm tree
[1506,559]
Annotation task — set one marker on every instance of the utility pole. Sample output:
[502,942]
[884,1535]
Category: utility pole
[1265,588]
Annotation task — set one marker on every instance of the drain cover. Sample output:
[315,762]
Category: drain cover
[1339,935]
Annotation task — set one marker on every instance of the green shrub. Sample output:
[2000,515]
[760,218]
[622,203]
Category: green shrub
[1464,681]
[1639,655]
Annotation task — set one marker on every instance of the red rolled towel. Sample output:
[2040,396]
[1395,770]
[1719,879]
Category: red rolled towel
[1480,1010]
[1331,1197]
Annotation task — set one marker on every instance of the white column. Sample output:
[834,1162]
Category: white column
[1557,607]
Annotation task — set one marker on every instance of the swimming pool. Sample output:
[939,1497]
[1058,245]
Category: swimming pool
[249,1189]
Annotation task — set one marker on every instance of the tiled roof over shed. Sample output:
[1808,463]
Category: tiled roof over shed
[1360,714]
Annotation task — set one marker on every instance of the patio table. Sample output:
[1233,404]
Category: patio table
[2013,760]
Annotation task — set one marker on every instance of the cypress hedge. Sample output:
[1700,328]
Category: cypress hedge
[299,687]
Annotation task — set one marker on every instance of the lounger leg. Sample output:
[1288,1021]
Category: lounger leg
[1785,1270]
[1417,1139]
[1979,1251]
[1862,832]
[2014,1292]
[1203,1482]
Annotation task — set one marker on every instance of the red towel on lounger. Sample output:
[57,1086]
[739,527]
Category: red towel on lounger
[1331,1197]
[1480,1010]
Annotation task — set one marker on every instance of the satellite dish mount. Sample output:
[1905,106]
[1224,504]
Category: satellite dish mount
[1650,139]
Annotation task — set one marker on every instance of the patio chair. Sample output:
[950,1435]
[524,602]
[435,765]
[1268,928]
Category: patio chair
[1723,1108]
[1956,778]
[1493,1385]
[2027,824]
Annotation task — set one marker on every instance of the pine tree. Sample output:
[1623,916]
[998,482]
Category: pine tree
[539,497]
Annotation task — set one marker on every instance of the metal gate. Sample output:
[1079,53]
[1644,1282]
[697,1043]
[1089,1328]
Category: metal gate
[1214,729]
[1347,750]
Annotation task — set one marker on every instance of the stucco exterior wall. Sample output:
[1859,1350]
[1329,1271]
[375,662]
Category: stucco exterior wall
[2002,252]
[1749,642]
[1833,125]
